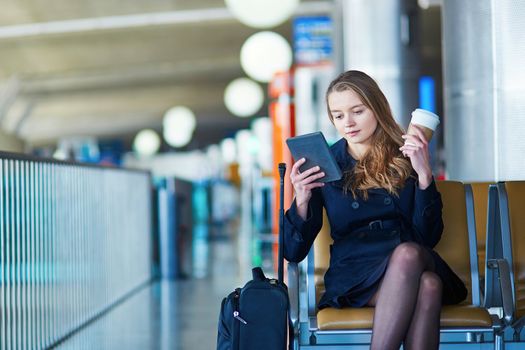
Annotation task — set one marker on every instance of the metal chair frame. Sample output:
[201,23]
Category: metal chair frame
[500,260]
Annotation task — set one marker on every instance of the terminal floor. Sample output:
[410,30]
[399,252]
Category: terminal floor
[179,314]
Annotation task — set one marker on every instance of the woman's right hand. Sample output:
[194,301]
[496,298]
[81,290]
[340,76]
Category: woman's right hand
[303,183]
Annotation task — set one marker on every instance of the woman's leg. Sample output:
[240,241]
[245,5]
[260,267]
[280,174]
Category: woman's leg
[397,296]
[423,332]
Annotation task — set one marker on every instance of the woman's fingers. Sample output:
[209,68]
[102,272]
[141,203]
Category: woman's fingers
[314,185]
[308,172]
[310,179]
[300,180]
[413,140]
[408,153]
[420,134]
[410,146]
[295,173]
[417,140]
[409,149]
[307,180]
[297,165]
[301,175]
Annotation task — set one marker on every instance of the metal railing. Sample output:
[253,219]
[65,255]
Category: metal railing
[74,240]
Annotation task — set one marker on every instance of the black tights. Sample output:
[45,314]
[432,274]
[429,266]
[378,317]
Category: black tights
[408,302]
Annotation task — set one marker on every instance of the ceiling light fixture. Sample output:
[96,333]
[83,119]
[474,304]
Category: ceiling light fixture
[262,13]
[243,97]
[265,53]
[178,126]
[146,143]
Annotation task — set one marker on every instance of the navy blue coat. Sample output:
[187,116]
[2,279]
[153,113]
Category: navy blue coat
[362,244]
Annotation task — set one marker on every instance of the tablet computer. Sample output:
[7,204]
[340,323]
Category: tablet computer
[315,150]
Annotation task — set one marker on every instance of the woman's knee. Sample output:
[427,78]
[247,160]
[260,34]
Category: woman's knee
[430,290]
[408,256]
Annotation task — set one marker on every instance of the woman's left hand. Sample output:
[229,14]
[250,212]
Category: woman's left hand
[416,148]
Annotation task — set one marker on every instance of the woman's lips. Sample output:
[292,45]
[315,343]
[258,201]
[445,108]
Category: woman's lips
[353,133]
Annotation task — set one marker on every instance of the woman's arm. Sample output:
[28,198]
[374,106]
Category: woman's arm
[299,234]
[304,219]
[427,217]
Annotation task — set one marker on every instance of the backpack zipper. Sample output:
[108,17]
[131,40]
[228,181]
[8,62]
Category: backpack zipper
[236,315]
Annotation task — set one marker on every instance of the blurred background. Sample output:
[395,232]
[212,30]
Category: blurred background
[83,79]
[180,109]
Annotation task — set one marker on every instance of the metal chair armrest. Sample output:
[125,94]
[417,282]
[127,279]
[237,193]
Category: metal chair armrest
[473,244]
[310,284]
[502,266]
[293,293]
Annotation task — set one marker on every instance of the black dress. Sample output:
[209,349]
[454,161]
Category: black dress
[365,233]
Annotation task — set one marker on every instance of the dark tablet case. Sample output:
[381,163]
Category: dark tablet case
[314,148]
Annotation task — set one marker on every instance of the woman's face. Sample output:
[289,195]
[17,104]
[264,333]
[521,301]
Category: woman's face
[352,119]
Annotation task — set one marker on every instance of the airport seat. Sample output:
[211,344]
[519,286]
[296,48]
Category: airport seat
[467,322]
[480,194]
[507,232]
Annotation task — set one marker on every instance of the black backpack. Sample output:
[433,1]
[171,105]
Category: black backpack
[256,316]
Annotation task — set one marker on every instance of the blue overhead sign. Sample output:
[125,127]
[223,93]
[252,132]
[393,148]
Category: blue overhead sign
[312,39]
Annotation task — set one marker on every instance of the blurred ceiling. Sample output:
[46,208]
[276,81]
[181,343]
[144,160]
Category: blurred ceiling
[112,67]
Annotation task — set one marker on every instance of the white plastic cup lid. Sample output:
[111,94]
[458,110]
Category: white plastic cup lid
[425,118]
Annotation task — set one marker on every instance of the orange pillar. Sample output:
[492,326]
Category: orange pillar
[282,115]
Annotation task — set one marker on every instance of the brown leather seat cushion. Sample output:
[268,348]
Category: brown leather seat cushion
[361,318]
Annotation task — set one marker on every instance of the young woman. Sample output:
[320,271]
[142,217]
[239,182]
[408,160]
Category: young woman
[385,218]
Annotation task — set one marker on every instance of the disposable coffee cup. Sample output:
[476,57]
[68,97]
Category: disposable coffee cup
[425,120]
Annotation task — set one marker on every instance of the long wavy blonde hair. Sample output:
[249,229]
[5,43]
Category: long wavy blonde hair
[383,165]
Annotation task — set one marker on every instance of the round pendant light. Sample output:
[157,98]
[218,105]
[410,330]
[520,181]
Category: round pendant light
[262,13]
[146,143]
[265,53]
[243,97]
[178,126]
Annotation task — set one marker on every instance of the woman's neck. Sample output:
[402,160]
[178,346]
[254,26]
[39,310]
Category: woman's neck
[357,150]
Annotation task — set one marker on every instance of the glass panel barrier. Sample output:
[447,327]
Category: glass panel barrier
[74,240]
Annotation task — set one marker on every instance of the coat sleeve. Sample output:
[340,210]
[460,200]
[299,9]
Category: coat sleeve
[427,216]
[300,234]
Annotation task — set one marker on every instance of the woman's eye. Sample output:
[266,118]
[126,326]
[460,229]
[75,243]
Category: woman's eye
[338,116]
[359,111]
